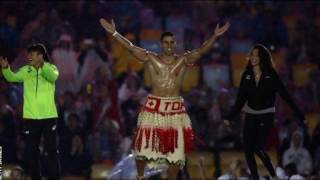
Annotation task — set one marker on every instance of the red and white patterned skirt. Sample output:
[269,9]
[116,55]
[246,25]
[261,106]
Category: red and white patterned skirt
[164,132]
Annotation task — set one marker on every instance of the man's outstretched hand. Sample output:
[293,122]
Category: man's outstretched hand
[111,28]
[221,30]
[4,62]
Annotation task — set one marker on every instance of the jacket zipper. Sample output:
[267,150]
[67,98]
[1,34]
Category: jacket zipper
[37,84]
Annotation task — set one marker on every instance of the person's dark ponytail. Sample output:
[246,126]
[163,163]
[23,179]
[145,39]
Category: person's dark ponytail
[41,49]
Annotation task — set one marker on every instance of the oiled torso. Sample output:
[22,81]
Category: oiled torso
[166,76]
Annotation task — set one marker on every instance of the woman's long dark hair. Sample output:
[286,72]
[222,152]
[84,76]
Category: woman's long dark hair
[265,60]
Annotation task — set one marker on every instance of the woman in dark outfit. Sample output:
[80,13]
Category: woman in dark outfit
[256,97]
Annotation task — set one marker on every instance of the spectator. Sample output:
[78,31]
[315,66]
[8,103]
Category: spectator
[65,58]
[91,57]
[131,96]
[79,160]
[29,30]
[298,155]
[7,131]
[104,78]
[103,145]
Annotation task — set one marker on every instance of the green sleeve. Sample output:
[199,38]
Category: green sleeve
[11,76]
[50,72]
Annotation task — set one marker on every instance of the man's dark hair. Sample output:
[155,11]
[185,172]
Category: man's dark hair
[163,35]
[40,49]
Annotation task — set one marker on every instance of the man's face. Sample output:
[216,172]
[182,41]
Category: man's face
[34,57]
[168,44]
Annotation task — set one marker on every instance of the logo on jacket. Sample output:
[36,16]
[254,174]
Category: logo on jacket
[29,69]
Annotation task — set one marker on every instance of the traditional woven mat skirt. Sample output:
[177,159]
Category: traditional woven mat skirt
[164,132]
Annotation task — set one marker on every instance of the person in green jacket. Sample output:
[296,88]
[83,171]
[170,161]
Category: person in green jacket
[39,108]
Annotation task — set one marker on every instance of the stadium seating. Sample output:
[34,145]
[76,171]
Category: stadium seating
[301,73]
[312,120]
[238,63]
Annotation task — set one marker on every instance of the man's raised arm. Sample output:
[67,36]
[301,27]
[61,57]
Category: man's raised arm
[138,52]
[195,54]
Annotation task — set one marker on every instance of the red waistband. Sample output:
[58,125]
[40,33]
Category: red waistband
[166,105]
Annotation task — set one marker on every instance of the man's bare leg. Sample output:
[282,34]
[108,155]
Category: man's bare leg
[141,164]
[173,171]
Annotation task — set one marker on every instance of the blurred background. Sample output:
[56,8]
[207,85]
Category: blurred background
[101,86]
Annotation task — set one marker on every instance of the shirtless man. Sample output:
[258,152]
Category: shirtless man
[164,130]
